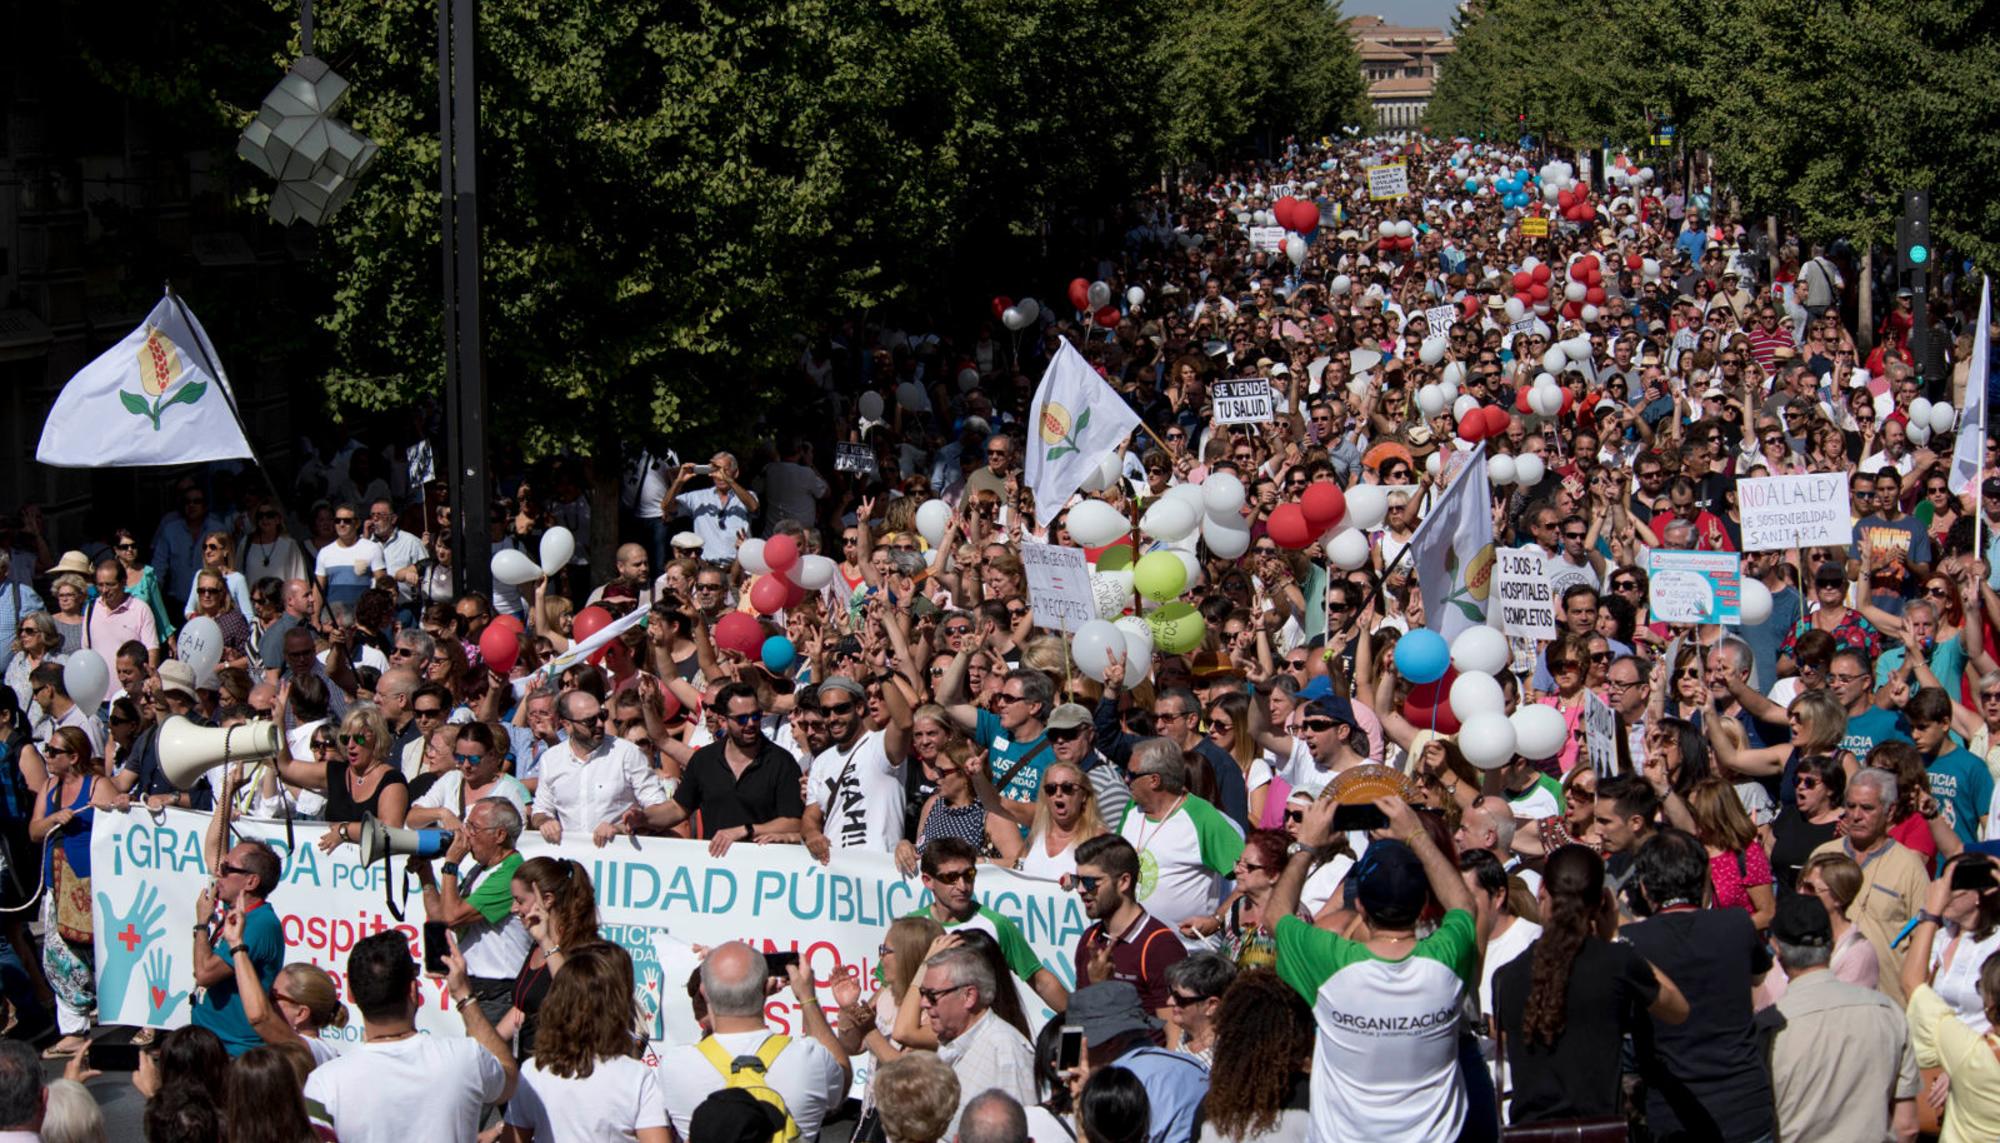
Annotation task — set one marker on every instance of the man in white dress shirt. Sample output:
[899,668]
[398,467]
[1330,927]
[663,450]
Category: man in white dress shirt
[588,782]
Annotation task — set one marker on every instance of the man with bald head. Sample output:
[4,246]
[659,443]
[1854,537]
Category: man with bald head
[809,1071]
[635,571]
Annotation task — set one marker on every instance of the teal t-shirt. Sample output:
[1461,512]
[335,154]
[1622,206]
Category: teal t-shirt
[221,1007]
[1002,752]
[1947,663]
[1963,788]
[1871,728]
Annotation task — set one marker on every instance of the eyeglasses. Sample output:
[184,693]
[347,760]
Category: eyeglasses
[955,877]
[427,711]
[1807,783]
[1054,788]
[1017,612]
[1066,734]
[208,591]
[1626,585]
[708,587]
[228,870]
[1622,684]
[593,720]
[1846,678]
[323,744]
[1321,725]
[211,547]
[1602,656]
[836,709]
[343,519]
[1295,815]
[1937,592]
[1177,1000]
[1578,536]
[1218,726]
[956,629]
[932,995]
[59,752]
[127,546]
[1557,666]
[1005,699]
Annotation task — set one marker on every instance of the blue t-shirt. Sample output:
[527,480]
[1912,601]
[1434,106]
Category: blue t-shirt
[1002,752]
[1871,728]
[1947,662]
[1963,788]
[221,1007]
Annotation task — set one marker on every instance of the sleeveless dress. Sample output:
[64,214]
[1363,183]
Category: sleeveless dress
[966,823]
[340,804]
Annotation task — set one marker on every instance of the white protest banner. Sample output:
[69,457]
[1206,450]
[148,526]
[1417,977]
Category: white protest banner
[1600,734]
[1242,402]
[655,896]
[1795,511]
[1059,588]
[852,456]
[1695,587]
[1269,239]
[1390,180]
[1527,599]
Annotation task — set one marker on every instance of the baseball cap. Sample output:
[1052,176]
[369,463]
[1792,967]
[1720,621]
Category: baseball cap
[1802,920]
[1990,489]
[1391,885]
[1336,708]
[1069,716]
[1109,1010]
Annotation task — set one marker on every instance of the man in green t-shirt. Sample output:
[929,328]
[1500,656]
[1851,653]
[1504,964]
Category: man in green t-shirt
[1387,1003]
[476,900]
[949,867]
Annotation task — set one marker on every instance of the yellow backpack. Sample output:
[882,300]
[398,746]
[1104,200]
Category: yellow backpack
[750,1073]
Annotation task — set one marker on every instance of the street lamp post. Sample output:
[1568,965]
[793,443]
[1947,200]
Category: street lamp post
[464,361]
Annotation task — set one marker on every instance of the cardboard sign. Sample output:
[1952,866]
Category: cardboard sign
[1535,226]
[1440,319]
[1242,402]
[1059,589]
[1525,325]
[1390,180]
[852,456]
[1696,587]
[1527,599]
[1600,735]
[1808,511]
[1269,239]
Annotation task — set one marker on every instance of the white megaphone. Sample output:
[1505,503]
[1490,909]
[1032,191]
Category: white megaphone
[187,751]
[378,841]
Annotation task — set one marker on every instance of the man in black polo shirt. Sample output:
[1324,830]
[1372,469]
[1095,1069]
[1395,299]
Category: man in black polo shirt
[742,787]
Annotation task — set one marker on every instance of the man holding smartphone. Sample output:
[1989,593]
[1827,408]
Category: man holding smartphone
[476,903]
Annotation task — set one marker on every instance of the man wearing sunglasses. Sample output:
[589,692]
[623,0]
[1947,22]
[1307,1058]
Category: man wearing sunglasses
[856,783]
[949,868]
[1125,942]
[245,876]
[476,901]
[744,786]
[594,782]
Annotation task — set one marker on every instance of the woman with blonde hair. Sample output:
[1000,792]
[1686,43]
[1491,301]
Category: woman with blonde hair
[1066,816]
[1739,871]
[1818,723]
[900,960]
[358,782]
[218,555]
[585,1080]
[214,601]
[306,1001]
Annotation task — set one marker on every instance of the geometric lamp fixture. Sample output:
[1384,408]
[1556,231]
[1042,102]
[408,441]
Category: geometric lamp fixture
[295,139]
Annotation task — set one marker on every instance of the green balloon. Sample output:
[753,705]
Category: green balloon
[1117,557]
[1177,627]
[1160,576]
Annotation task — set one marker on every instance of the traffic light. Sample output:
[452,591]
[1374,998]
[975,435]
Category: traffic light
[1913,232]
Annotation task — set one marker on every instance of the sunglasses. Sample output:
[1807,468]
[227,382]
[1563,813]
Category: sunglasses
[468,759]
[962,877]
[1066,734]
[354,739]
[323,744]
[1320,725]
[1053,788]
[1805,783]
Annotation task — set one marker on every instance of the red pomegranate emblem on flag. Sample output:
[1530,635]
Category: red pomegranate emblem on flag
[159,368]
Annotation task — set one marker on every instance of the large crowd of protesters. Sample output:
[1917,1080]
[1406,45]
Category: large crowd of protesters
[1774,917]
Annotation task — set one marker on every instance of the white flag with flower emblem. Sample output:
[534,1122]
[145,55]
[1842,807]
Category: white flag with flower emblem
[1968,457]
[1076,419]
[147,400]
[1453,551]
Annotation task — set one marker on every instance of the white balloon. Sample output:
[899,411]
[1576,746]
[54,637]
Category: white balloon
[1546,400]
[1430,399]
[1475,693]
[968,378]
[1515,310]
[1529,468]
[558,545]
[933,517]
[1348,548]
[1431,351]
[1341,284]
[1192,565]
[1920,411]
[1480,649]
[1574,291]
[1545,381]
[1463,406]
[1539,731]
[1100,295]
[1386,230]
[1434,464]
[1755,601]
[750,553]
[1449,389]
[1135,296]
[1589,313]
[910,395]
[1367,505]
[1112,592]
[514,568]
[200,645]
[1093,645]
[1645,174]
[1093,523]
[1405,230]
[1530,262]
[1221,494]
[1554,359]
[88,680]
[1500,470]
[1014,319]
[1244,217]
[870,405]
[1453,374]
[1577,348]
[1919,433]
[1225,541]
[1188,492]
[814,572]
[1295,249]
[1486,740]
[1171,518]
[1030,308]
[1650,267]
[1138,649]
[1942,417]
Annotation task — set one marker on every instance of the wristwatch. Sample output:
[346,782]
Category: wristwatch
[1928,916]
[448,869]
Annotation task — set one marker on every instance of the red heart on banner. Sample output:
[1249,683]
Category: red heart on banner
[159,998]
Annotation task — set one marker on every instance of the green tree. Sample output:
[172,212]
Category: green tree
[1235,73]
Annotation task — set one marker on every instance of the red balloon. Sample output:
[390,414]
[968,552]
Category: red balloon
[768,594]
[1569,398]
[1409,243]
[1541,272]
[1540,290]
[670,704]
[589,622]
[1324,505]
[1435,692]
[1388,244]
[1565,199]
[1594,295]
[1572,310]
[1079,293]
[794,595]
[1592,276]
[1437,716]
[781,552]
[1470,305]
[1472,426]
[739,632]
[1526,299]
[1496,420]
[1000,304]
[1109,317]
[1521,399]
[1589,261]
[1288,527]
[1634,262]
[510,623]
[500,647]
[1522,280]
[1282,210]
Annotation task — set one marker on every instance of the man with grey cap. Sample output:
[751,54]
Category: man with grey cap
[1842,1067]
[1073,740]
[854,789]
[1117,1032]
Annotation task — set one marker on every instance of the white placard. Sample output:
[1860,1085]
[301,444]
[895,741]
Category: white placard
[1795,511]
[1600,734]
[1390,180]
[1059,587]
[1527,598]
[1245,401]
[1440,319]
[852,456]
[1269,239]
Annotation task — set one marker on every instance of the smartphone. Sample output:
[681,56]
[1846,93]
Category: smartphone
[437,946]
[1069,1049]
[703,469]
[114,1057]
[1359,817]
[780,963]
[1972,875]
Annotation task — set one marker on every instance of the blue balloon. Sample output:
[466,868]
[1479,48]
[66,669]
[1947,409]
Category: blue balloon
[1471,186]
[1422,656]
[779,654]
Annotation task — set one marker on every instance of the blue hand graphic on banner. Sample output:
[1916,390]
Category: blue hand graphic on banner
[127,937]
[159,975]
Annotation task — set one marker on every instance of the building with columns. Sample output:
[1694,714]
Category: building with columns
[1401,67]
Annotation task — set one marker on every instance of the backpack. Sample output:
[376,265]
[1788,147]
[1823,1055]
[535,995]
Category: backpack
[748,1073]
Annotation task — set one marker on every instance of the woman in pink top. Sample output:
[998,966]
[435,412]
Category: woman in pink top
[1738,868]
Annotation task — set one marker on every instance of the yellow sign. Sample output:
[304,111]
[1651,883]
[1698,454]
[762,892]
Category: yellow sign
[1535,226]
